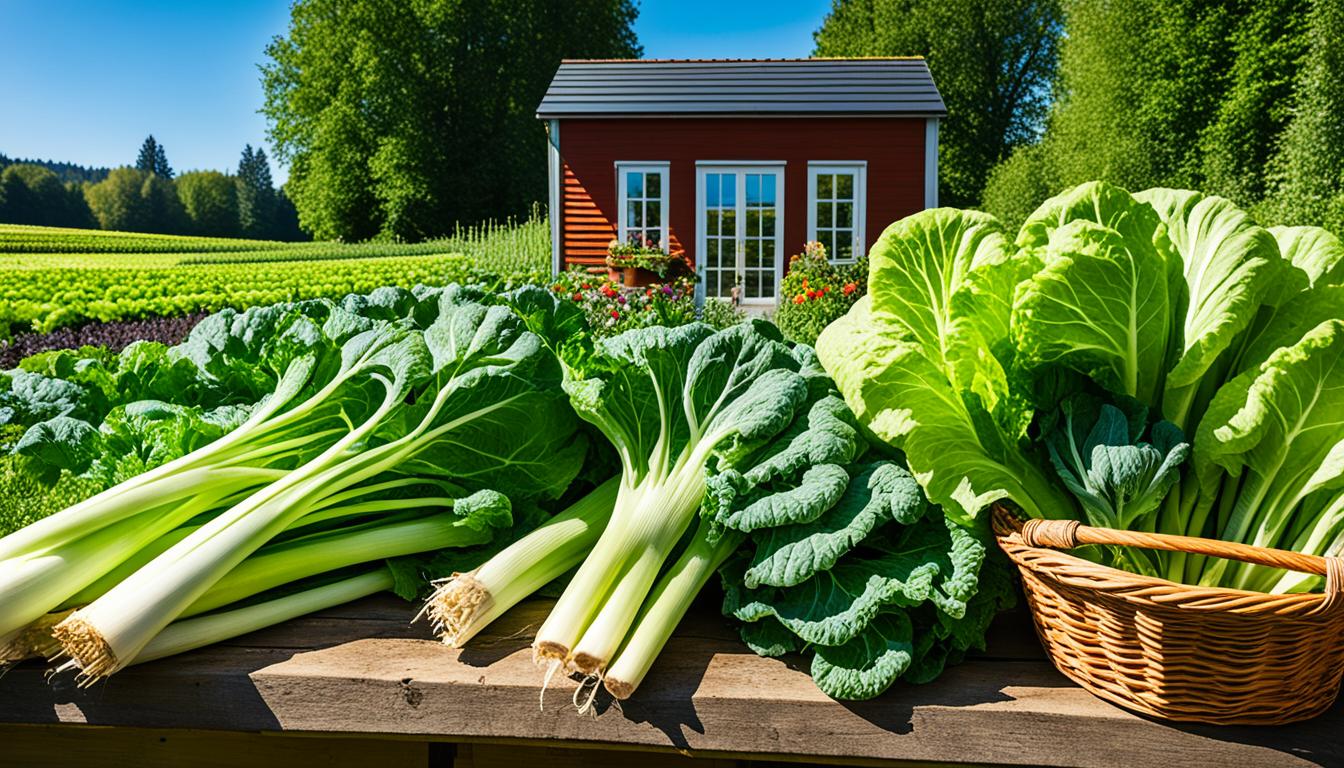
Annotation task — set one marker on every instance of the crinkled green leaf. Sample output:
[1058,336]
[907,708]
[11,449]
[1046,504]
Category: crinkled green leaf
[767,637]
[818,490]
[790,554]
[931,561]
[869,663]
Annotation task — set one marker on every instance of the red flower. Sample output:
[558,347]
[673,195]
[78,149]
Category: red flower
[849,288]
[804,283]
[585,286]
[799,299]
[558,288]
[812,294]
[615,315]
[578,297]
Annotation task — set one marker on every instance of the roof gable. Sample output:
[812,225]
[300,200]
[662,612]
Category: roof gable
[613,88]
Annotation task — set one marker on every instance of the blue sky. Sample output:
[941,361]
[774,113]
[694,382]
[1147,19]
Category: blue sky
[85,81]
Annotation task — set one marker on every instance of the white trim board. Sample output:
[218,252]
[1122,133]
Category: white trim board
[859,169]
[554,172]
[740,170]
[660,167]
[931,163]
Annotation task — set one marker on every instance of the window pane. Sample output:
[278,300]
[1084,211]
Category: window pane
[712,190]
[753,253]
[654,236]
[768,222]
[634,183]
[844,186]
[728,227]
[653,214]
[827,239]
[712,252]
[753,284]
[844,245]
[653,184]
[768,189]
[711,223]
[824,214]
[633,219]
[753,189]
[753,222]
[844,214]
[824,187]
[768,254]
[728,188]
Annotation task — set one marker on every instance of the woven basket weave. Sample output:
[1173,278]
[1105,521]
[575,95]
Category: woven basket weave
[1174,651]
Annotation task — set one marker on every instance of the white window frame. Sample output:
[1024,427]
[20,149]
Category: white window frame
[859,169]
[741,167]
[642,166]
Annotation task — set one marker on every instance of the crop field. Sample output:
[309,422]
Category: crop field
[53,278]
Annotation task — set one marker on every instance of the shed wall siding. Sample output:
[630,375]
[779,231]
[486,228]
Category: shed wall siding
[590,148]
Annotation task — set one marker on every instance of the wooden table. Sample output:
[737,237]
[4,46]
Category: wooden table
[357,686]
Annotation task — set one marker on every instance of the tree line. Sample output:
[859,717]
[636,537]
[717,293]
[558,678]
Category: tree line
[1241,98]
[149,197]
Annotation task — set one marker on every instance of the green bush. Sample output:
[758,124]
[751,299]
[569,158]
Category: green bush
[1017,185]
[815,292]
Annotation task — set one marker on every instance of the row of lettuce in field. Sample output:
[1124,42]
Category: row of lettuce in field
[286,458]
[1153,361]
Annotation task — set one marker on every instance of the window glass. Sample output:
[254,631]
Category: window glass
[836,215]
[643,217]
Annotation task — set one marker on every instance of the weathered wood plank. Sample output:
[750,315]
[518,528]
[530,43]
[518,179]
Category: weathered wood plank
[68,746]
[362,670]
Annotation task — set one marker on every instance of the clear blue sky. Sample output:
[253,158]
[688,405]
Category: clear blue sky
[84,81]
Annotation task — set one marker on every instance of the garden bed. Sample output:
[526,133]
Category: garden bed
[356,683]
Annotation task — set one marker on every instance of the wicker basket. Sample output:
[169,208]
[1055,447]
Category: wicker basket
[1174,651]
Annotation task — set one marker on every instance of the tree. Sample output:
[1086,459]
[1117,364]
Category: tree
[993,62]
[1175,93]
[401,119]
[1307,174]
[133,200]
[153,159]
[210,200]
[256,194]
[116,201]
[34,195]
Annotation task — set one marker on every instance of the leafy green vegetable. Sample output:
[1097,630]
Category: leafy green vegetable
[926,363]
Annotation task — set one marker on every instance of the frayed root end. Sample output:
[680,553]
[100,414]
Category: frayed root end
[86,647]
[589,664]
[454,608]
[619,689]
[545,652]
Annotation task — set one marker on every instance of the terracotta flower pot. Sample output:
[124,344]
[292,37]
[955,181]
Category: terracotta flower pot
[633,277]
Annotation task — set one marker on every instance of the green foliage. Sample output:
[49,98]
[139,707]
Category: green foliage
[815,292]
[924,360]
[136,275]
[210,200]
[153,160]
[117,201]
[377,147]
[258,214]
[846,557]
[25,499]
[33,194]
[1307,184]
[1193,94]
[993,63]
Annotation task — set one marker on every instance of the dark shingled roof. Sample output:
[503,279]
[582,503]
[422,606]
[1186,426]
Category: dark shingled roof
[611,88]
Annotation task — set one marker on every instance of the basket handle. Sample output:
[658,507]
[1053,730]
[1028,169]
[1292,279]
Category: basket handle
[1067,534]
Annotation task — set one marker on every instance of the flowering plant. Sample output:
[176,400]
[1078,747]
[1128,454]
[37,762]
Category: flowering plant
[815,292]
[643,253]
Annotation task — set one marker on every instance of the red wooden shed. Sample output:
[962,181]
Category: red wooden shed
[738,163]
